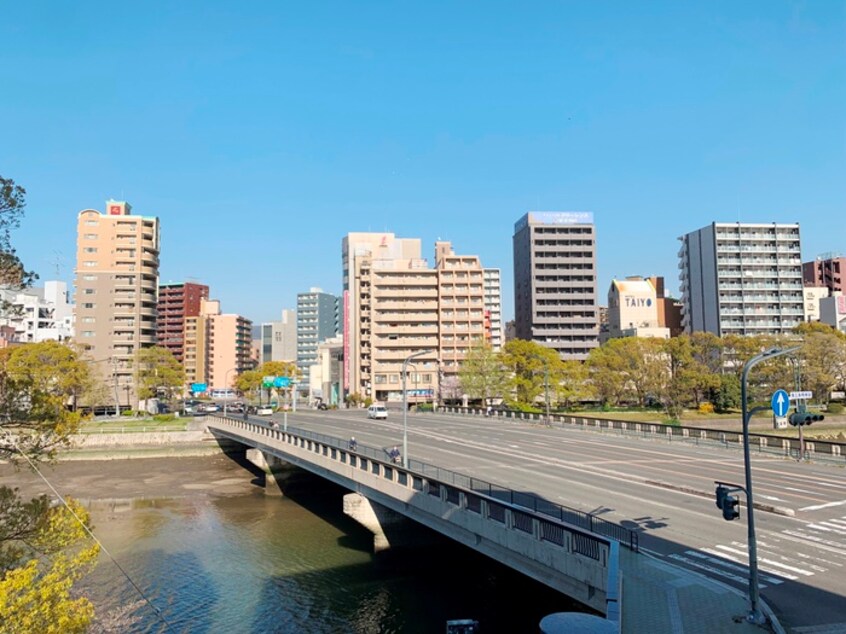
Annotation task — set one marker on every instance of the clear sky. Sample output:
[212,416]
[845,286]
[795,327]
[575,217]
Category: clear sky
[262,132]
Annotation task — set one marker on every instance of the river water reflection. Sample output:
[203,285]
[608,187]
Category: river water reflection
[246,562]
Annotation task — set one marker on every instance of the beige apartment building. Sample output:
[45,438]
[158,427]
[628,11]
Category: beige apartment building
[116,280]
[218,347]
[396,305]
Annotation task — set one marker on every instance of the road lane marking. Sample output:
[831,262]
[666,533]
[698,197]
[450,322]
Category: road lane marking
[817,507]
[824,544]
[797,490]
[774,552]
[770,497]
[770,562]
[739,566]
[712,570]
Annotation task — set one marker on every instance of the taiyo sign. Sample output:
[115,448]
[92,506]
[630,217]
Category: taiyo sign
[637,302]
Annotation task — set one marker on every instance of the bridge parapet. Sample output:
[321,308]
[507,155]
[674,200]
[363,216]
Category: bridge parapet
[487,518]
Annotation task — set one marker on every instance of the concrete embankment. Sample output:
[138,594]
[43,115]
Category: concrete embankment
[155,444]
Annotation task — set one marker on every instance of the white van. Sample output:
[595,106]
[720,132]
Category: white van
[377,411]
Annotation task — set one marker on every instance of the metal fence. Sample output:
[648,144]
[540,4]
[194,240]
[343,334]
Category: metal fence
[438,477]
[772,444]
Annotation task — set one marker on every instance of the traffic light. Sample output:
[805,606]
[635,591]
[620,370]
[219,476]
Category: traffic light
[729,507]
[798,419]
[721,493]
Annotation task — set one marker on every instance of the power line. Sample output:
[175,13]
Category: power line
[92,535]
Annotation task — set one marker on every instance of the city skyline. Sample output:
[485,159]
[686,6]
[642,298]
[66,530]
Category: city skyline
[261,147]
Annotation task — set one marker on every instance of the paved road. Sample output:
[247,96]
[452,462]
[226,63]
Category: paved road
[802,559]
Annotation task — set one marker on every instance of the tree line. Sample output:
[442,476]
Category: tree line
[700,370]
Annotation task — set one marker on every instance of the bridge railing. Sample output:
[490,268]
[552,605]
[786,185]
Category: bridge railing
[489,491]
[787,446]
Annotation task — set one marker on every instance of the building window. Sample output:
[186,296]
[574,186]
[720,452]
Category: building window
[87,320]
[88,305]
[89,278]
[88,291]
[90,249]
[87,333]
[90,236]
[91,223]
[89,263]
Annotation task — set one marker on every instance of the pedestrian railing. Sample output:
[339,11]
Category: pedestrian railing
[821,450]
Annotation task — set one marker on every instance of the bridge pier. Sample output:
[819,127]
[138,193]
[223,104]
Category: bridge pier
[389,528]
[276,471]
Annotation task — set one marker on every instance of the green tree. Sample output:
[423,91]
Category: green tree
[822,359]
[157,370]
[529,364]
[42,550]
[38,382]
[482,374]
[608,373]
[574,384]
[727,396]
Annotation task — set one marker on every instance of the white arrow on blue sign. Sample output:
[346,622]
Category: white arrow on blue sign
[780,402]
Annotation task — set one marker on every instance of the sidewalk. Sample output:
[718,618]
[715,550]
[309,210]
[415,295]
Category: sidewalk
[659,598]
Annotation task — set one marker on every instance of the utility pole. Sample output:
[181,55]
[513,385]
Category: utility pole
[115,382]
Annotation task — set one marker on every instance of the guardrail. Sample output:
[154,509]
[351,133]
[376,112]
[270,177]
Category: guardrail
[131,429]
[822,450]
[497,497]
[535,525]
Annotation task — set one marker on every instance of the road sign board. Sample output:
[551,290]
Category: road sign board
[801,395]
[281,381]
[780,402]
[199,387]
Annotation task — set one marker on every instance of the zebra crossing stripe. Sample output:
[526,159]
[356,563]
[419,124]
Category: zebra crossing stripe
[711,569]
[824,544]
[770,562]
[739,566]
[829,528]
[783,558]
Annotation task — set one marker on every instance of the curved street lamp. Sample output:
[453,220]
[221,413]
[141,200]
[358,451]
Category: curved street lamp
[226,383]
[405,403]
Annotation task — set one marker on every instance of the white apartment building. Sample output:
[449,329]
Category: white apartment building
[279,338]
[741,278]
[811,297]
[633,309]
[37,314]
[492,281]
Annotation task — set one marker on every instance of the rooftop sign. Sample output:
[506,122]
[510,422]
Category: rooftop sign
[554,218]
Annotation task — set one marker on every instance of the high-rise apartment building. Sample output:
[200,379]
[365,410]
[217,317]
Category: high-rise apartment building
[279,338]
[217,346]
[493,306]
[555,281]
[741,278]
[402,306]
[117,278]
[462,321]
[827,270]
[362,254]
[176,303]
[318,319]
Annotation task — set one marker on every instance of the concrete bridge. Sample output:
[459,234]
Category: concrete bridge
[577,562]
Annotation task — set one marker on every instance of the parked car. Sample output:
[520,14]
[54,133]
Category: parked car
[264,410]
[377,411]
[209,408]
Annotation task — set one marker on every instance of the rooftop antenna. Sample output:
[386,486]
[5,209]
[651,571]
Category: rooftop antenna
[57,262]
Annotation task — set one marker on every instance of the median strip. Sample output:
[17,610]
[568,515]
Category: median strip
[769,508]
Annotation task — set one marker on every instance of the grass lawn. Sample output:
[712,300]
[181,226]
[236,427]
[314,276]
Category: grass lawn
[132,425]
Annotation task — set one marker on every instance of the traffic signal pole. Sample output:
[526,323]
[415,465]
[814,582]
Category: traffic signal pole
[755,615]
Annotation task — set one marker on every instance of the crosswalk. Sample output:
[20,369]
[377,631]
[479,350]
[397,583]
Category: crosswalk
[790,555]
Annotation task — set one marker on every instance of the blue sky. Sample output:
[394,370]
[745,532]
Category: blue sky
[262,132]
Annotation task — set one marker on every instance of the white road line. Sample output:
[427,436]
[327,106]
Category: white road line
[828,528]
[778,555]
[741,567]
[711,569]
[770,562]
[797,490]
[817,507]
[770,497]
[824,544]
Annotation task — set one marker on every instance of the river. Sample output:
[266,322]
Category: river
[214,554]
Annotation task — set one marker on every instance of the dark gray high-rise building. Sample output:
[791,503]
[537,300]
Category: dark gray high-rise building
[318,319]
[555,281]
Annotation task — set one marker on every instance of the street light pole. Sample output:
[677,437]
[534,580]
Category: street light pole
[405,404]
[226,385]
[755,615]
